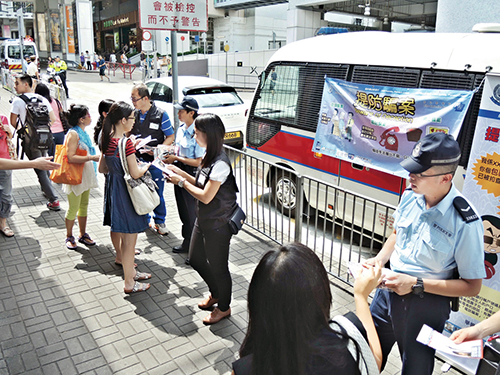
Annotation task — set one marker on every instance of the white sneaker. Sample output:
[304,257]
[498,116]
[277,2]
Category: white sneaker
[161,229]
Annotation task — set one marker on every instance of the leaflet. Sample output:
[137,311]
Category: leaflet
[162,166]
[354,269]
[438,341]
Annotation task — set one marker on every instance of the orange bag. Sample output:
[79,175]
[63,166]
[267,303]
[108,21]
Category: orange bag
[69,173]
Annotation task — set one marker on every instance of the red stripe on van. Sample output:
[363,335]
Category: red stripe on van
[298,149]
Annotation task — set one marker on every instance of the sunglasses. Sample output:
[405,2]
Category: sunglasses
[136,100]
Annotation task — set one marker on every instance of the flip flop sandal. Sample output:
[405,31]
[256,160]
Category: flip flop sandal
[7,232]
[70,243]
[138,251]
[138,287]
[86,240]
[141,276]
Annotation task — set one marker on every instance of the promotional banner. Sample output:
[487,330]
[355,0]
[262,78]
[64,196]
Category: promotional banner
[70,33]
[482,189]
[55,31]
[378,126]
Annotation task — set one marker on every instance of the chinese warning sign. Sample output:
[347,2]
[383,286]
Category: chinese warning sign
[378,126]
[177,15]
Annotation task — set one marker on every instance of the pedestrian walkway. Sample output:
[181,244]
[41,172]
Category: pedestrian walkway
[64,312]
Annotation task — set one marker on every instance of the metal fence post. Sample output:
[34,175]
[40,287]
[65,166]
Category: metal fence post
[299,208]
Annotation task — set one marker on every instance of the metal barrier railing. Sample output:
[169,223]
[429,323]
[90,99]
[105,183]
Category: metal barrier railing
[245,81]
[339,225]
[56,91]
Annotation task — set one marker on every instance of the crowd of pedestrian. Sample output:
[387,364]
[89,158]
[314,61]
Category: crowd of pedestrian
[289,297]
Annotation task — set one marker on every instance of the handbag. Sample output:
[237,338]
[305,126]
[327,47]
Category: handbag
[142,190]
[237,220]
[12,149]
[68,173]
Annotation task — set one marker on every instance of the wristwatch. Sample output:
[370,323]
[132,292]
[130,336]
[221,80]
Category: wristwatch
[181,183]
[418,288]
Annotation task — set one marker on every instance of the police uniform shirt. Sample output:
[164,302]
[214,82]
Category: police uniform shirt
[188,147]
[430,243]
[166,126]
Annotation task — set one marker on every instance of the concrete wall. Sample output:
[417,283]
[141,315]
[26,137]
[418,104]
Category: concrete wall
[459,16]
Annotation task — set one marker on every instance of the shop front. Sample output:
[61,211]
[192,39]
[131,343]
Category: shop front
[116,32]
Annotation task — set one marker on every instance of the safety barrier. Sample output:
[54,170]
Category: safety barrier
[56,91]
[127,69]
[339,225]
[112,67]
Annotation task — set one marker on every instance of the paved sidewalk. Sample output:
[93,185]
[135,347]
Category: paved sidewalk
[64,312]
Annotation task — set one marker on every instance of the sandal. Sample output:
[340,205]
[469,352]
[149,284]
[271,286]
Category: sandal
[86,240]
[7,232]
[138,252]
[71,243]
[141,276]
[138,287]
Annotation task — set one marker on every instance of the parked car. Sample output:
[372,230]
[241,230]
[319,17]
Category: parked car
[212,96]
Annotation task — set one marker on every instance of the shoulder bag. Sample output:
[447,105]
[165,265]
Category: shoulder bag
[142,191]
[351,325]
[237,220]
[68,173]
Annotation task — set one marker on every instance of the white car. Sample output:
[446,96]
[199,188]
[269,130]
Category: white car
[213,96]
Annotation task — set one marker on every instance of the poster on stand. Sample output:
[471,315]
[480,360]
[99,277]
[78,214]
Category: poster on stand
[378,126]
[55,31]
[482,189]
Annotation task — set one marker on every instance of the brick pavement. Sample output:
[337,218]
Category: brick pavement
[64,312]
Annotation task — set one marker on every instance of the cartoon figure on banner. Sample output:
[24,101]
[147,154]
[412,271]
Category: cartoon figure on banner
[335,122]
[491,226]
[342,123]
[389,140]
[348,128]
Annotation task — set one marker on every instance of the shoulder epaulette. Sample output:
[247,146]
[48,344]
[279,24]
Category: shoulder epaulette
[465,210]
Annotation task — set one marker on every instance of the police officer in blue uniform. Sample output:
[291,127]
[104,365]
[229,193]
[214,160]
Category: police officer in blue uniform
[437,233]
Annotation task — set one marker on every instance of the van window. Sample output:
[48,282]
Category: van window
[291,94]
[14,51]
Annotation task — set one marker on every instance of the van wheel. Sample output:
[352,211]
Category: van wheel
[284,193]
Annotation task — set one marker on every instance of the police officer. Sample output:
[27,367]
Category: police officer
[152,121]
[437,232]
[61,67]
[188,159]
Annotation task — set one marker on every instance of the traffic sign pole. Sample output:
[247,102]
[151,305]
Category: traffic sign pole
[175,77]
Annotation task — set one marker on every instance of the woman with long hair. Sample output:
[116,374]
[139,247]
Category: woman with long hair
[79,118]
[289,333]
[104,106]
[214,187]
[119,212]
[60,126]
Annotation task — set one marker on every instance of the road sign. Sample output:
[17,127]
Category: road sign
[167,39]
[197,38]
[204,36]
[226,48]
[183,37]
[147,45]
[146,35]
[181,15]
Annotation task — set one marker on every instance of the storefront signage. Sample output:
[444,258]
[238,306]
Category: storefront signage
[116,22]
[180,15]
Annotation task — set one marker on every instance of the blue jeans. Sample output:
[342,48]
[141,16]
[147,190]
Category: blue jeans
[58,140]
[43,176]
[160,212]
[5,193]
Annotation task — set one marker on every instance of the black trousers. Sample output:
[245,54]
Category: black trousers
[186,205]
[62,75]
[209,255]
[400,319]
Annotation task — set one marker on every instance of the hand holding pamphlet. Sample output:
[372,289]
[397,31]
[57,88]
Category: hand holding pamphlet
[436,340]
[354,269]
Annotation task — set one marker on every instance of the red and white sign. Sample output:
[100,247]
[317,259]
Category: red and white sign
[176,15]
[146,35]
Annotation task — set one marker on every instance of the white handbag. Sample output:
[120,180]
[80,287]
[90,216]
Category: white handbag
[143,191]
